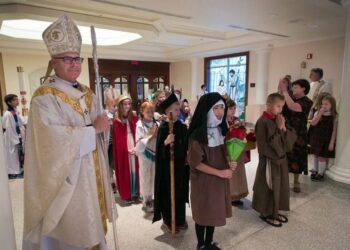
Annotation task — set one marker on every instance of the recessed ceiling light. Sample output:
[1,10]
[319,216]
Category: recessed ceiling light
[298,20]
[274,14]
[33,29]
[313,26]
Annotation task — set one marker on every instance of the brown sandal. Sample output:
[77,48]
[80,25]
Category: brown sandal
[282,218]
[271,220]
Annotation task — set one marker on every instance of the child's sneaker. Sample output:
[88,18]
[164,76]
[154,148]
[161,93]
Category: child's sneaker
[114,188]
[202,247]
[136,200]
[213,246]
[318,177]
[183,226]
[313,173]
[149,207]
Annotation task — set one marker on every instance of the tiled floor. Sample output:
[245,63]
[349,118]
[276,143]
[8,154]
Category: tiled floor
[319,219]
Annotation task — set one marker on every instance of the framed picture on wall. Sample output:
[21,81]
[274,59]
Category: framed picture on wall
[228,75]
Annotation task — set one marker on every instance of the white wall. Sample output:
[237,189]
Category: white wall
[327,54]
[198,69]
[180,77]
[30,63]
[252,77]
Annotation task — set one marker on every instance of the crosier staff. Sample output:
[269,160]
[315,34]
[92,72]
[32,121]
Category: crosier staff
[103,135]
[172,177]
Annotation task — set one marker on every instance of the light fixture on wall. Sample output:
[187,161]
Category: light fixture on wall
[33,29]
[303,65]
[22,90]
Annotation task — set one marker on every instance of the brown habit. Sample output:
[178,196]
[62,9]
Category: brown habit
[210,195]
[238,182]
[272,146]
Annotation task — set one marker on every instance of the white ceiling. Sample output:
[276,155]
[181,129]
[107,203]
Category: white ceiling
[180,29]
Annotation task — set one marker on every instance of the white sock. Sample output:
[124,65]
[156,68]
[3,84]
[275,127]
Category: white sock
[322,167]
[315,164]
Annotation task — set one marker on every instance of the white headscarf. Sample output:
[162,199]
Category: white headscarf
[215,137]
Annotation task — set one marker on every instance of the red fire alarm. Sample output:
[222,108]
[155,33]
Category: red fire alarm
[309,56]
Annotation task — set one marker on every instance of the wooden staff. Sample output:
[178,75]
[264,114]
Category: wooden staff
[103,136]
[172,177]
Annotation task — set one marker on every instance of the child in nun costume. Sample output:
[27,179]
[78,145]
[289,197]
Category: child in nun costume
[210,168]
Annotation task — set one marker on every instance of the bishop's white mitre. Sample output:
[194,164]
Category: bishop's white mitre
[62,36]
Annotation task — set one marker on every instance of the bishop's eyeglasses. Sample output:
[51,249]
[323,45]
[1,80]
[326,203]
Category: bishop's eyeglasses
[70,60]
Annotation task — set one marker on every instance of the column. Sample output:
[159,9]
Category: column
[257,104]
[341,169]
[22,90]
[7,230]
[262,74]
[194,78]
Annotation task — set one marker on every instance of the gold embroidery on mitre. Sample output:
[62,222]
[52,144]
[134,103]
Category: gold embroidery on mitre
[62,36]
[46,90]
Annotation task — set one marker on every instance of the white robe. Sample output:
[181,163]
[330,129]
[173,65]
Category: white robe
[7,229]
[61,196]
[146,166]
[316,88]
[11,139]
[132,160]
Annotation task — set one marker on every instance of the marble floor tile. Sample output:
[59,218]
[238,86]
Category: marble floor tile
[319,219]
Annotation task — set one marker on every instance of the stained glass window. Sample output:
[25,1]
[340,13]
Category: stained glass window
[228,76]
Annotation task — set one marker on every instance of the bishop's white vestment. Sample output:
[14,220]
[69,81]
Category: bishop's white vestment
[66,199]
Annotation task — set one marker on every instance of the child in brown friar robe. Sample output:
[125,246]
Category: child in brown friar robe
[274,140]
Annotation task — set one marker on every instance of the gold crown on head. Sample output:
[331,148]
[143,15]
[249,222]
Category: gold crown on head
[123,97]
[62,36]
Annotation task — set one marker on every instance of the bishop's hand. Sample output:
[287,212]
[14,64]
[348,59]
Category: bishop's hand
[101,123]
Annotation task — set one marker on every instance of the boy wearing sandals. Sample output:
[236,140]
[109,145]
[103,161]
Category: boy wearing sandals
[274,140]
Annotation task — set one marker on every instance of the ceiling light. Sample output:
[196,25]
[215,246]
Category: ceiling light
[33,29]
[298,20]
[313,26]
[274,14]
